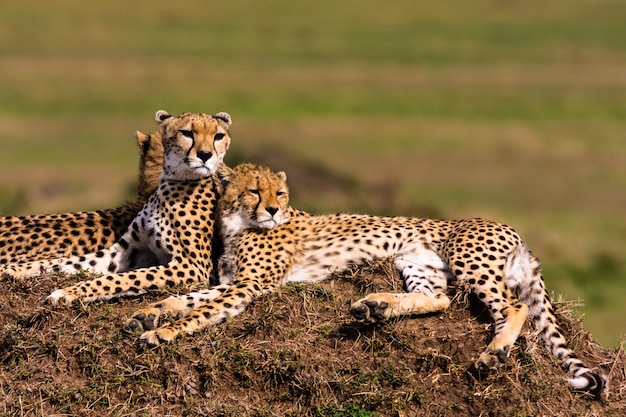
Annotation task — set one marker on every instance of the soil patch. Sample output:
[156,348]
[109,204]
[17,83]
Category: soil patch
[293,353]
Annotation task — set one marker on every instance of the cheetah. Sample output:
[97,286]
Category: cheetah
[267,244]
[170,240]
[27,238]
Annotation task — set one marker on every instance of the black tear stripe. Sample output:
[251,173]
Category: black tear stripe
[193,143]
[256,208]
[193,140]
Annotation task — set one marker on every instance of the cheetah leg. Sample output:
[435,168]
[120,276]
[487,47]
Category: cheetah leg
[426,278]
[113,259]
[509,319]
[131,283]
[96,263]
[524,276]
[176,306]
[381,306]
[232,302]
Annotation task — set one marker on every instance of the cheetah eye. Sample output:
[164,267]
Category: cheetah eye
[187,133]
[219,136]
[254,191]
[279,193]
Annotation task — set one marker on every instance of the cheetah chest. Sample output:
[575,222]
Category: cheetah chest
[177,216]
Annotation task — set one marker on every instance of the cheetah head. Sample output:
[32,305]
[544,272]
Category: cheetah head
[254,197]
[194,143]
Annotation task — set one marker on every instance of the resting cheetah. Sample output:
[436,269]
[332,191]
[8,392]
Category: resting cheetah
[267,244]
[26,238]
[174,229]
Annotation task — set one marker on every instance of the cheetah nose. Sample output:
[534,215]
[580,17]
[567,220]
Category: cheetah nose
[271,210]
[204,155]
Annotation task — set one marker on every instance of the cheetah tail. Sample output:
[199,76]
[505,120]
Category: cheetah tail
[523,275]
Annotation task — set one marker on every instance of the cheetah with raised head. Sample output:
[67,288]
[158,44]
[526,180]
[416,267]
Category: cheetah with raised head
[175,226]
[267,244]
[28,238]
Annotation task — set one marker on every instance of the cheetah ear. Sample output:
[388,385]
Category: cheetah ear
[141,138]
[161,116]
[224,117]
[282,175]
[224,176]
[143,141]
[225,172]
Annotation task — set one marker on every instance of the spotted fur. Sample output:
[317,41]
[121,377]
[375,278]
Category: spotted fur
[170,240]
[27,238]
[264,250]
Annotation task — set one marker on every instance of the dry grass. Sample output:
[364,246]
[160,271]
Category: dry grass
[296,352]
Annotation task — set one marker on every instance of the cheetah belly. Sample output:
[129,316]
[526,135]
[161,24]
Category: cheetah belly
[151,241]
[311,273]
[156,240]
[318,264]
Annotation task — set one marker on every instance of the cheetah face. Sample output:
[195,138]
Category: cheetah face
[255,197]
[194,144]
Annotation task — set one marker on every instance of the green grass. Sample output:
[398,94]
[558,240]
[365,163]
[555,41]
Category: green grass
[514,111]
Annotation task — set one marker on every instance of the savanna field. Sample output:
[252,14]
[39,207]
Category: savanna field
[513,111]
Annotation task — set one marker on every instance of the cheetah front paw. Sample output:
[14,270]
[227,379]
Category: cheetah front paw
[370,310]
[20,271]
[13,273]
[7,273]
[144,319]
[156,337]
[61,297]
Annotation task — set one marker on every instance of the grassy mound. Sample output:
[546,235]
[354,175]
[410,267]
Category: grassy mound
[293,353]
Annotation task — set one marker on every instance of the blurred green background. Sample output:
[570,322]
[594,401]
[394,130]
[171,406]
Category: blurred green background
[510,110]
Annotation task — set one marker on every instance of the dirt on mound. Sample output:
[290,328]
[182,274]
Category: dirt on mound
[293,353]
